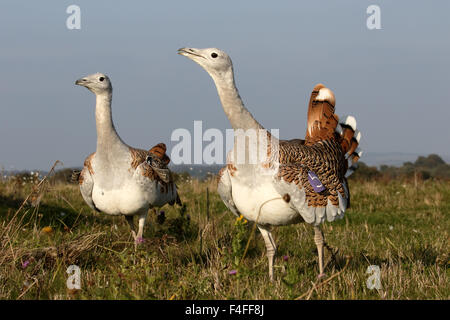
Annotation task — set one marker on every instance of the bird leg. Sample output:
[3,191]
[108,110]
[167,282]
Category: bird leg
[131,223]
[142,219]
[270,247]
[318,239]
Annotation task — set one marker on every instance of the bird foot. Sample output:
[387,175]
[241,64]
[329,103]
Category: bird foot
[139,240]
[321,276]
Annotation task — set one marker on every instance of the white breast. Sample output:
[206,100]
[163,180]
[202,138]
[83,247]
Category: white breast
[129,199]
[249,195]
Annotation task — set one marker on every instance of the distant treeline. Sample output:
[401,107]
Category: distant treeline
[430,167]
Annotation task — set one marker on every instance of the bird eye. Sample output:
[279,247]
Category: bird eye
[101,78]
[214,55]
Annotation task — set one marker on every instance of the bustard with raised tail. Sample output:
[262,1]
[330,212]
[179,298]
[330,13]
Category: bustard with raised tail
[298,180]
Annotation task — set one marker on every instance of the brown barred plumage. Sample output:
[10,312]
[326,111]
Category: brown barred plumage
[347,138]
[80,178]
[322,121]
[325,158]
[160,152]
[162,174]
[77,177]
[323,152]
[88,164]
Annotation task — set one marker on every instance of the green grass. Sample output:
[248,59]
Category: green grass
[399,227]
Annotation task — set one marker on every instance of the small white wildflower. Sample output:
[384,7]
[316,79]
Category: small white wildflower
[391,228]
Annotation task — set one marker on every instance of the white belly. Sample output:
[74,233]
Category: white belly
[250,198]
[130,199]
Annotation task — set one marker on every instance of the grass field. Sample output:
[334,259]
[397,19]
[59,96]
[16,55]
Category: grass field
[196,253]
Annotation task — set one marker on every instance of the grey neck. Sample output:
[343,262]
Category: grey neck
[107,137]
[239,116]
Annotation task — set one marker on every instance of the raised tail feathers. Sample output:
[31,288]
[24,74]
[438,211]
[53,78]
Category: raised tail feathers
[322,121]
[350,137]
[324,124]
[353,165]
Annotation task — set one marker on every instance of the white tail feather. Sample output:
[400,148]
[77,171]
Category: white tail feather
[359,152]
[349,121]
[357,135]
[326,94]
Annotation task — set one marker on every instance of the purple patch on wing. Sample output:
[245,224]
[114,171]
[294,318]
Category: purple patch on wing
[315,182]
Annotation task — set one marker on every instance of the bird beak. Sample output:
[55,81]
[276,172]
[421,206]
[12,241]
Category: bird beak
[190,53]
[81,82]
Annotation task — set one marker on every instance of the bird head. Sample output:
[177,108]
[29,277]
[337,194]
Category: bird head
[213,60]
[97,83]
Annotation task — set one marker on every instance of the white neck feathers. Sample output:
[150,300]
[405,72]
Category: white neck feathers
[239,116]
[107,136]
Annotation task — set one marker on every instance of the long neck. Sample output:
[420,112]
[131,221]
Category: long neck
[107,137]
[239,116]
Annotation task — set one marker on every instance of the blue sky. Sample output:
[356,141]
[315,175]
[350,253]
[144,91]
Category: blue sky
[395,81]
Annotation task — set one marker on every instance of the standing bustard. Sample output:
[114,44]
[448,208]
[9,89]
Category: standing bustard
[300,180]
[118,179]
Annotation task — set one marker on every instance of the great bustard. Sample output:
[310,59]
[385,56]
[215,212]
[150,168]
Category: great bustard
[298,180]
[118,179]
